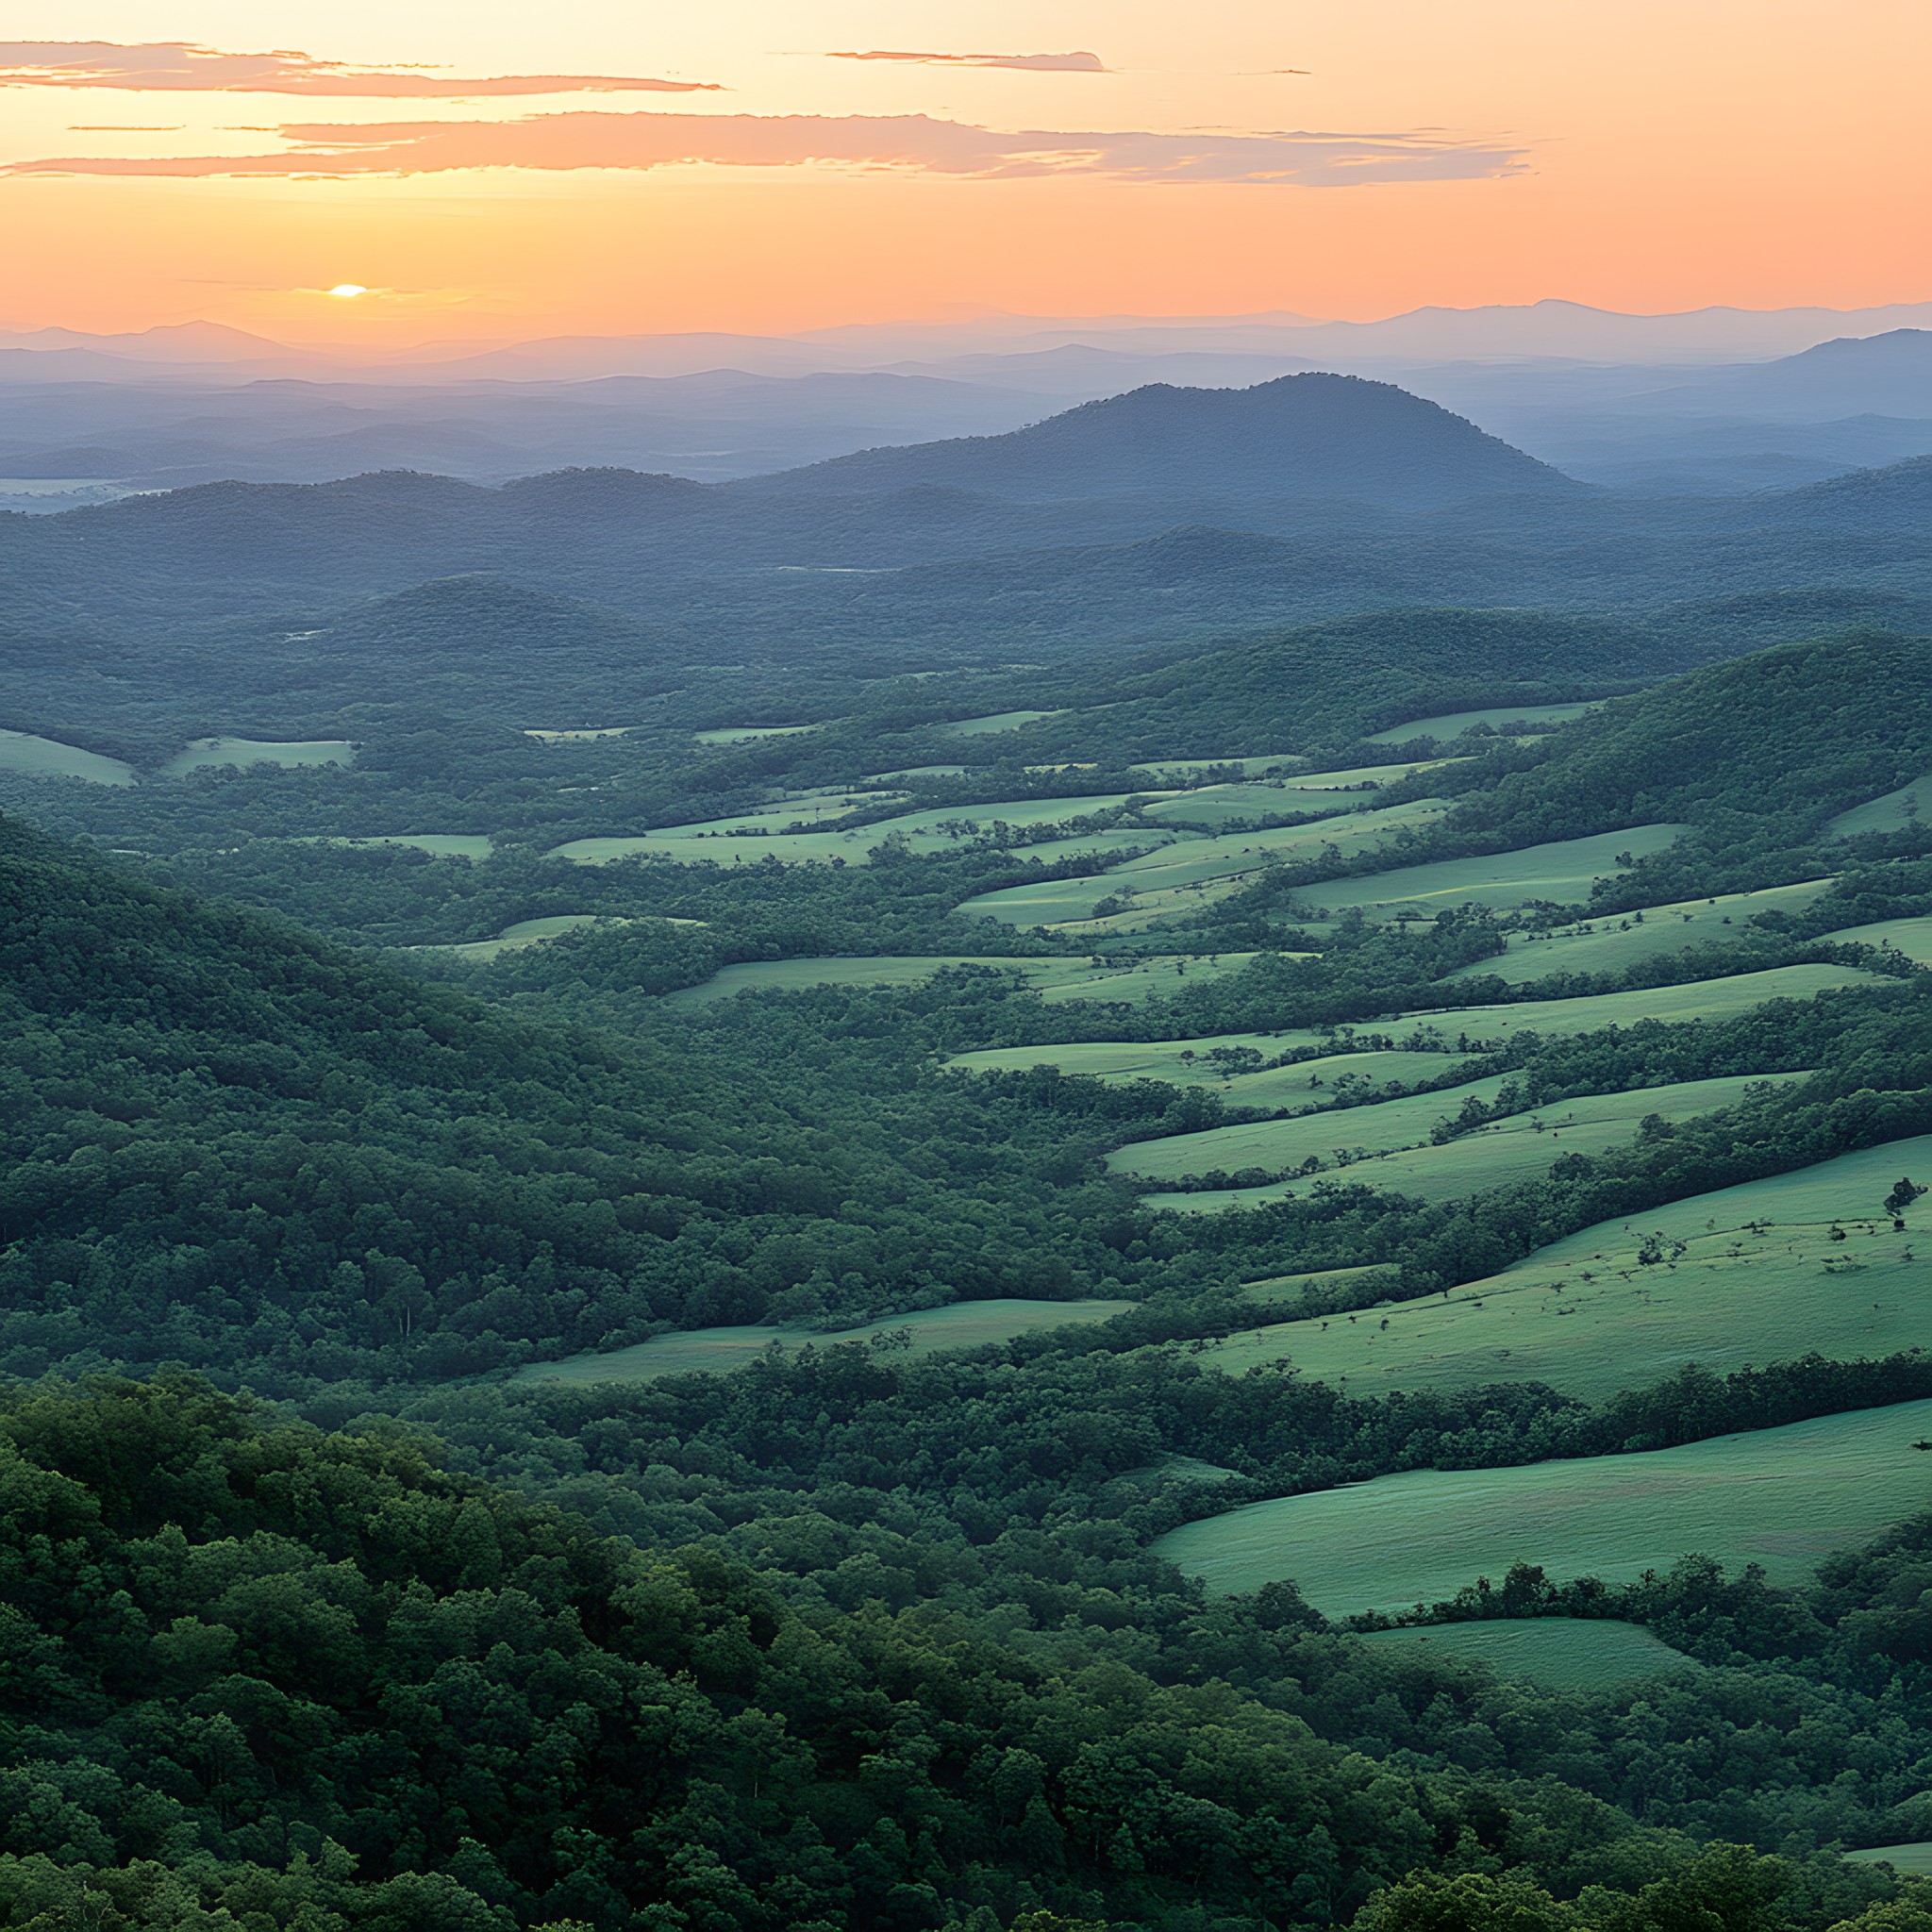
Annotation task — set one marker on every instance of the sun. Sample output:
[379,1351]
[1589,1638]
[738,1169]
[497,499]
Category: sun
[347,291]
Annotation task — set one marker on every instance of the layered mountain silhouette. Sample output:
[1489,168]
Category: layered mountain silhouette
[1300,435]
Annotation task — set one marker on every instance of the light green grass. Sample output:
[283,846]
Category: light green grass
[1183,1061]
[1575,1656]
[808,812]
[1184,769]
[1893,813]
[918,772]
[1911,937]
[209,752]
[1190,872]
[1310,1084]
[47,757]
[995,722]
[1615,942]
[940,828]
[1561,873]
[1785,1498]
[965,1325]
[1378,1128]
[582,735]
[743,734]
[1759,1280]
[471,845]
[1451,725]
[1128,982]
[1698,999]
[1915,1859]
[1518,1148]
[533,932]
[1216,805]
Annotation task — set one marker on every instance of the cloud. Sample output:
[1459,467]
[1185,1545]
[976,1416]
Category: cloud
[915,144]
[1031,63]
[179,66]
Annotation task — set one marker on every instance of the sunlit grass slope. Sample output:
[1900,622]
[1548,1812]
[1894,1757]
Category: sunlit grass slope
[1784,1498]
[1583,1656]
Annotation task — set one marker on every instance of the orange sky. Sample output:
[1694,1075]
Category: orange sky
[643,167]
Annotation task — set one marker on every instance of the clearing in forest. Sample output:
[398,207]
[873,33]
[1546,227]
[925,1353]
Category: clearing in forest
[743,734]
[47,757]
[1761,1273]
[1575,1656]
[1517,1148]
[207,753]
[1558,873]
[1785,1498]
[965,1325]
[1613,942]
[1129,982]
[1891,813]
[471,845]
[1452,725]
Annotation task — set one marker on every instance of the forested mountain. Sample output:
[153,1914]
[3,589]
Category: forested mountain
[1299,435]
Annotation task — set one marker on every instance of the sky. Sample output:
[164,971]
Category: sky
[483,171]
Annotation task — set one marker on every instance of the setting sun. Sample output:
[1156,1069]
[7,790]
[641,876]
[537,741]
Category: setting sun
[347,291]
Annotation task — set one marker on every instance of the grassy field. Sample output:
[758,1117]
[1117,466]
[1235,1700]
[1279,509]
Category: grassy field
[807,813]
[1378,1128]
[1454,724]
[472,845]
[744,841]
[1309,1084]
[1190,873]
[208,753]
[1759,1280]
[1183,1061]
[965,1325]
[994,722]
[1891,813]
[743,734]
[1911,937]
[1700,999]
[47,757]
[1216,805]
[1784,1498]
[1915,1858]
[1561,873]
[534,932]
[1633,939]
[1130,982]
[1574,1655]
[1184,769]
[582,735]
[1518,1148]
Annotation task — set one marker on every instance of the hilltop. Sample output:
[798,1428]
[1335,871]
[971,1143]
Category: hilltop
[1310,434]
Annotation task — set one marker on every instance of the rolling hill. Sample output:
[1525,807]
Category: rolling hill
[1300,435]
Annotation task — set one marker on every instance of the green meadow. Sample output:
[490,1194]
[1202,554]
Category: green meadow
[1891,813]
[1561,873]
[994,722]
[1572,1656]
[1911,937]
[1215,805]
[1452,725]
[583,734]
[965,1325]
[1517,1148]
[1190,873]
[1309,1084]
[1380,1127]
[1129,982]
[1613,945]
[207,753]
[1184,769]
[47,757]
[472,845]
[1744,1275]
[1784,1498]
[1915,1859]
[744,841]
[533,932]
[1698,999]
[1185,1063]
[744,734]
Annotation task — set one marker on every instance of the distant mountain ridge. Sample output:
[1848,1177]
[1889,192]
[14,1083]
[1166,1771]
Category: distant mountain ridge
[1298,436]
